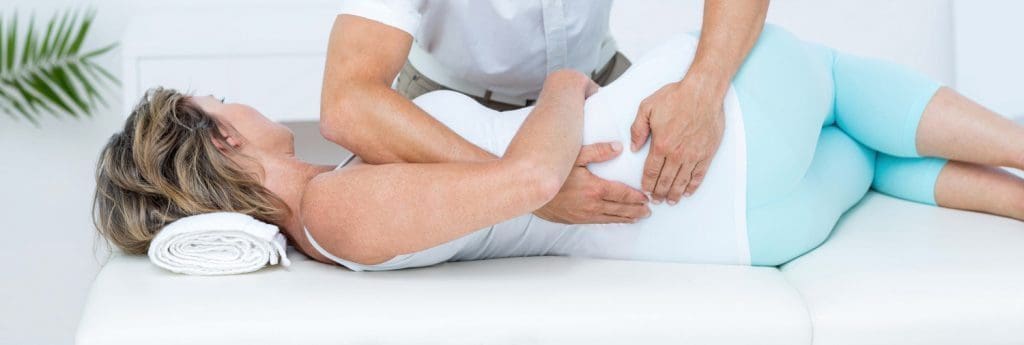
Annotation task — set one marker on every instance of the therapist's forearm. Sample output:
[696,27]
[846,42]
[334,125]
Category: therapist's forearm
[729,32]
[382,126]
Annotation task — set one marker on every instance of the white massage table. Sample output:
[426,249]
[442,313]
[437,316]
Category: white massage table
[894,272]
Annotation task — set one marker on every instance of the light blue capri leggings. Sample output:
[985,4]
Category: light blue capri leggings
[822,127]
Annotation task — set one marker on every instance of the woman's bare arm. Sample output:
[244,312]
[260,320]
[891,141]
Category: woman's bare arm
[358,108]
[371,213]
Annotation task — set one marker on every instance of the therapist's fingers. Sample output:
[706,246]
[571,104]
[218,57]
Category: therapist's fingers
[622,193]
[632,211]
[598,152]
[652,170]
[641,127]
[613,219]
[686,185]
[621,200]
[682,180]
[699,172]
[668,174]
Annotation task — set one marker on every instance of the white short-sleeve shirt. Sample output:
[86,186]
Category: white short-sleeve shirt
[506,46]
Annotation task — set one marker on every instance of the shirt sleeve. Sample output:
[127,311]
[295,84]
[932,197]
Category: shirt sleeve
[400,14]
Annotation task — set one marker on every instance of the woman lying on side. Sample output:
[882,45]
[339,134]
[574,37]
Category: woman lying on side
[808,130]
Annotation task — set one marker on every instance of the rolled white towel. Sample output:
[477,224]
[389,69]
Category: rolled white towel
[218,243]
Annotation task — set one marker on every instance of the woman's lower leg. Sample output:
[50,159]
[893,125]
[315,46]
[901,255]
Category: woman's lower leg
[975,187]
[955,127]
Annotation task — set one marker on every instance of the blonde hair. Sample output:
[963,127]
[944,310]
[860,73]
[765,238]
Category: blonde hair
[165,166]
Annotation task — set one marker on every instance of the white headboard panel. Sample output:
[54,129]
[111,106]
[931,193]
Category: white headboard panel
[270,53]
[989,54]
[271,59]
[915,33]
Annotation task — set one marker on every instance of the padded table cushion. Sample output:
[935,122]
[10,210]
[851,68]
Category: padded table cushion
[540,300]
[896,272]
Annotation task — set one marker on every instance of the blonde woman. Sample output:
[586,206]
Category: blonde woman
[807,131]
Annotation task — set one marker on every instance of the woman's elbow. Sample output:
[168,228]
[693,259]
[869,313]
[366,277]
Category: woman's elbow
[539,182]
[336,123]
[548,187]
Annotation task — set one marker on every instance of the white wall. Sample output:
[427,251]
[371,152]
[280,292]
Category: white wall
[46,172]
[46,184]
[989,53]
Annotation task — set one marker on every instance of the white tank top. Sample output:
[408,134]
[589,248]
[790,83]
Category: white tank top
[708,227]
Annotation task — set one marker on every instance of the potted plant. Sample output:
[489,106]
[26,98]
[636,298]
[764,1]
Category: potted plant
[45,70]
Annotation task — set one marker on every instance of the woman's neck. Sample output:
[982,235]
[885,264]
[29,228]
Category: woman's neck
[287,176]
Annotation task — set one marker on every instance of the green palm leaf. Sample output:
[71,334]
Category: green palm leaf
[47,72]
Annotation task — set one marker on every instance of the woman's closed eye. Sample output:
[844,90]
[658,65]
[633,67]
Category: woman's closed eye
[221,99]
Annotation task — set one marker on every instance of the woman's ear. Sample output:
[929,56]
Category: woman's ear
[230,139]
[219,145]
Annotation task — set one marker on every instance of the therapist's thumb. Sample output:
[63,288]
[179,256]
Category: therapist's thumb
[641,128]
[598,152]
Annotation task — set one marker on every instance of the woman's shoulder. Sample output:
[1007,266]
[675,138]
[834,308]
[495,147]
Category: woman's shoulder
[339,221]
[329,190]
[326,207]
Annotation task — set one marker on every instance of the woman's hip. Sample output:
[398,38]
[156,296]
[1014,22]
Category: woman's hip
[786,92]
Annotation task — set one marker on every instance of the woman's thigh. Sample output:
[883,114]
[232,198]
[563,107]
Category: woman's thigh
[798,220]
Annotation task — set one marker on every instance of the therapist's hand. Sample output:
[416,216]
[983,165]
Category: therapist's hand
[588,199]
[685,122]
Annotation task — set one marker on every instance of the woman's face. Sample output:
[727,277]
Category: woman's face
[256,130]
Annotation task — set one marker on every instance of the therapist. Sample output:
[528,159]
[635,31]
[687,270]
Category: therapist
[499,52]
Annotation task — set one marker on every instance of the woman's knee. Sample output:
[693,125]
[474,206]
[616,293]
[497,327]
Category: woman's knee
[880,103]
[908,178]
